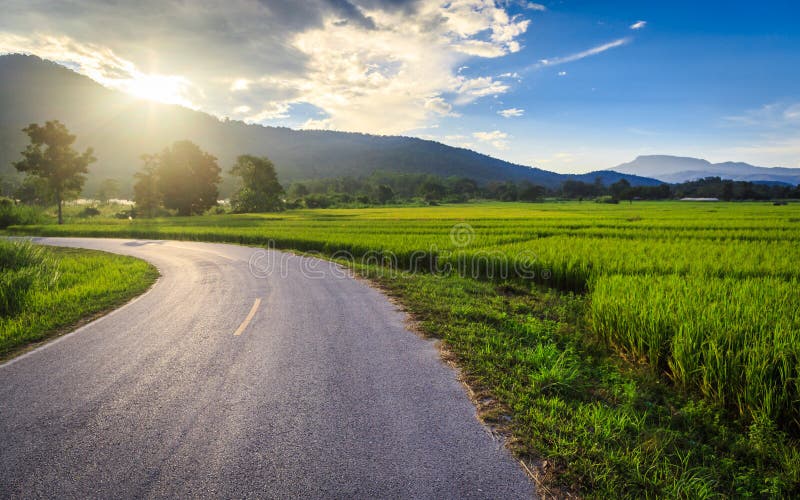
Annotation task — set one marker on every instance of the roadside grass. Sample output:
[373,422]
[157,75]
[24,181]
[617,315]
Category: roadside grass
[52,290]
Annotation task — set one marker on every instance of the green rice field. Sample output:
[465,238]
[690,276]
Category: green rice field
[700,298]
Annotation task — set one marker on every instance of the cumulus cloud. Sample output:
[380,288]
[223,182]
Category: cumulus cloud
[511,112]
[384,66]
[638,25]
[496,138]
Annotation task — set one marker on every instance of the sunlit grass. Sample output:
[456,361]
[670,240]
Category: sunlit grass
[59,288]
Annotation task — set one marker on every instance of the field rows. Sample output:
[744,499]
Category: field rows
[706,294]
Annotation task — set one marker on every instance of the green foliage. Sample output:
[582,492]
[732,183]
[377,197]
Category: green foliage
[50,157]
[50,289]
[12,214]
[260,190]
[146,191]
[187,178]
[33,191]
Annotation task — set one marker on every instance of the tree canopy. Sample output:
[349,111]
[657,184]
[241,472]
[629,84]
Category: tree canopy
[51,157]
[260,190]
[145,190]
[187,178]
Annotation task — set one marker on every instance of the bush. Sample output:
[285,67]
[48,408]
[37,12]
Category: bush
[89,212]
[606,199]
[12,214]
[317,201]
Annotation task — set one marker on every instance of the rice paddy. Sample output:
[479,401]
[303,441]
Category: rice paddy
[703,297]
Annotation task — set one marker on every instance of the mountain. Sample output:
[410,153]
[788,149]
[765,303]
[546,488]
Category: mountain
[676,169]
[121,128]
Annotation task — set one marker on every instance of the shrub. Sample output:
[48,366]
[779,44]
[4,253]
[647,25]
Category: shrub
[89,212]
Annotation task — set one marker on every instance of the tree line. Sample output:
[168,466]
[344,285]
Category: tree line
[184,179]
[400,188]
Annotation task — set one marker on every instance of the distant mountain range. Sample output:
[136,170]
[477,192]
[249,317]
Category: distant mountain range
[675,169]
[121,129]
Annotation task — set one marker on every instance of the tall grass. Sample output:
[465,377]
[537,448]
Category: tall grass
[45,290]
[735,341]
[23,267]
[14,214]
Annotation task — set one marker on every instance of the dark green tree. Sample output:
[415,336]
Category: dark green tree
[384,194]
[260,190]
[530,192]
[145,190]
[188,178]
[621,190]
[432,190]
[50,157]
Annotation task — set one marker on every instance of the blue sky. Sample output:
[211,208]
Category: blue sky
[570,86]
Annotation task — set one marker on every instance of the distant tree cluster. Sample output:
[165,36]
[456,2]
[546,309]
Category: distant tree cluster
[381,188]
[184,178]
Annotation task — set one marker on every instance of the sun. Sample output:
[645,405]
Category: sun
[159,88]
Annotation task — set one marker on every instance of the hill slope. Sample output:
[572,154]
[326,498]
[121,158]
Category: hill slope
[122,128]
[680,169]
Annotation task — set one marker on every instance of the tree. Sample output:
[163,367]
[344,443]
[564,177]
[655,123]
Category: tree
[384,194]
[108,189]
[260,191]
[298,190]
[145,190]
[188,178]
[530,192]
[621,190]
[432,190]
[51,158]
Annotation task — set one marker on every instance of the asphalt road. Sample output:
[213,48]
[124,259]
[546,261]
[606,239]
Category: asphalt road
[323,393]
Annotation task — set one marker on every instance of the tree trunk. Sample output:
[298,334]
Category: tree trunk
[58,200]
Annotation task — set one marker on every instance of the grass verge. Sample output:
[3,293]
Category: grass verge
[584,420]
[70,287]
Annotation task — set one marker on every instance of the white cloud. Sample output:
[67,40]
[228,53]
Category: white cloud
[470,89]
[271,111]
[240,84]
[439,106]
[562,73]
[775,135]
[496,138]
[582,55]
[638,25]
[369,65]
[511,112]
[535,6]
[777,115]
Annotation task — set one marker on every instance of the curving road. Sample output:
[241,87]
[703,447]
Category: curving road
[243,374]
